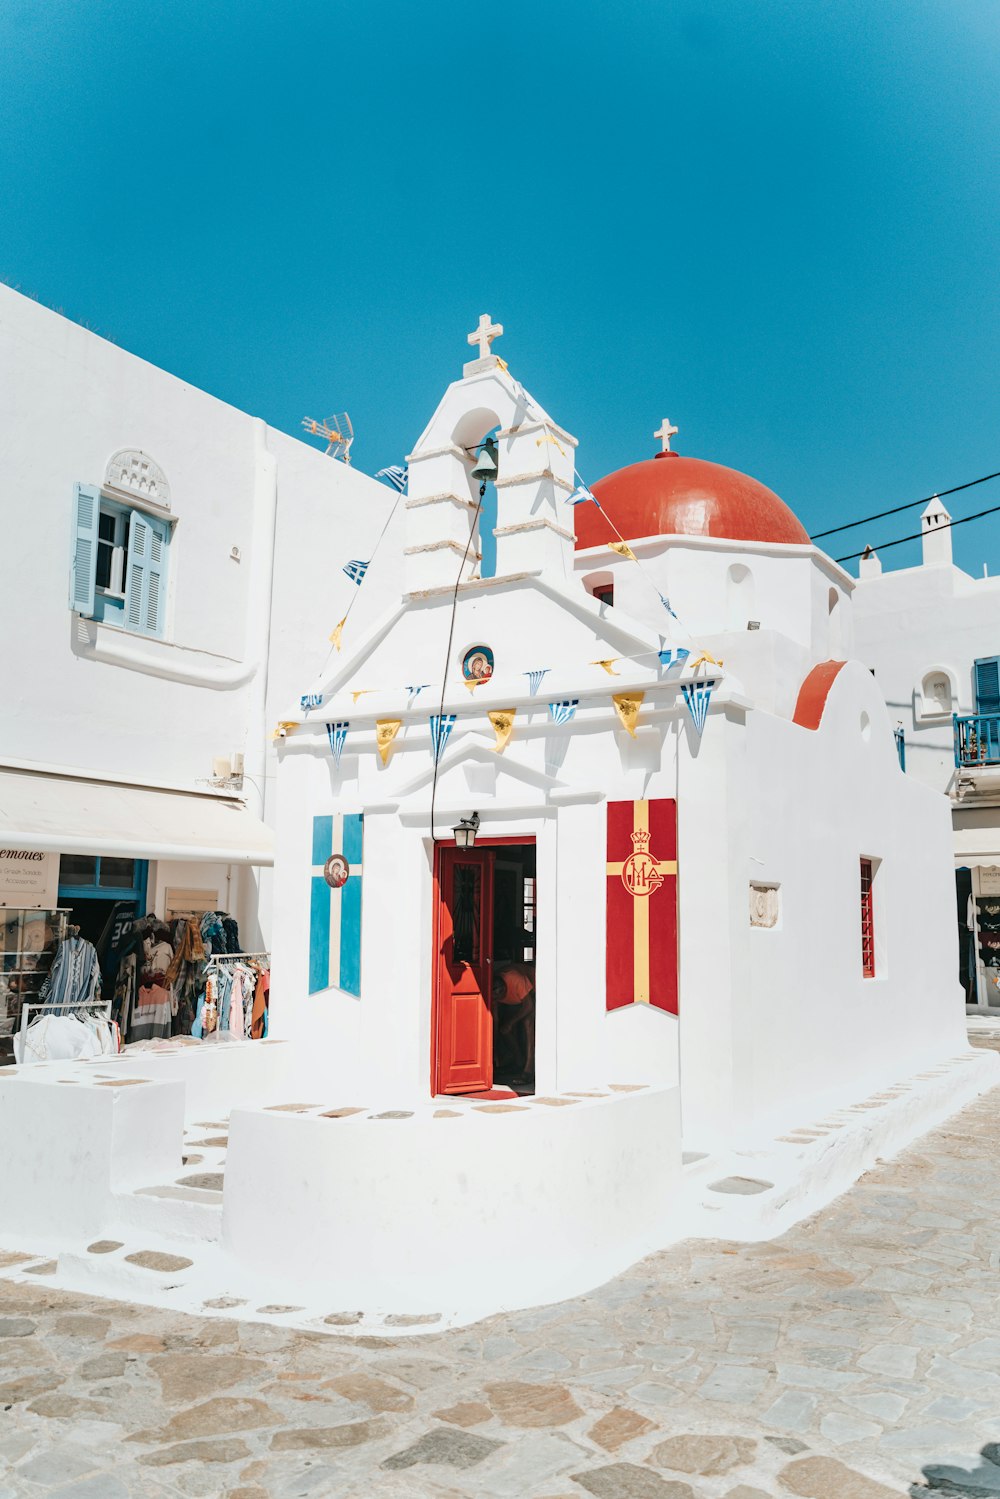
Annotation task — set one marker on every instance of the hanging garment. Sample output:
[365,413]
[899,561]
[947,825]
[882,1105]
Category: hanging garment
[157,956]
[212,932]
[186,973]
[232,933]
[75,975]
[152,1015]
[56,1038]
[258,1011]
[126,986]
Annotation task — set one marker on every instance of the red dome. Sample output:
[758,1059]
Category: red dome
[671,495]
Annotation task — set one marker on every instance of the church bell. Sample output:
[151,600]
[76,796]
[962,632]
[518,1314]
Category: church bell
[486,464]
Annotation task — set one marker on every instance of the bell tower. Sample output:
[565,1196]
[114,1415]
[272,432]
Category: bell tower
[535,475]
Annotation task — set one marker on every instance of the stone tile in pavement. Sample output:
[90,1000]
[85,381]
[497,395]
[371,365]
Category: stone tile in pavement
[856,1358]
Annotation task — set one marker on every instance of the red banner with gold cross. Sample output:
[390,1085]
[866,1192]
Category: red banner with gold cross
[642,904]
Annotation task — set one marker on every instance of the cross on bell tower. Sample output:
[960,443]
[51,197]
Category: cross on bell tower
[483,336]
[665,433]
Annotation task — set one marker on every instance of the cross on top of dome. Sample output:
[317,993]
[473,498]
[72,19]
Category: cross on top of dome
[665,433]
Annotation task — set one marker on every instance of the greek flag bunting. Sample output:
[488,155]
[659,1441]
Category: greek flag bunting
[696,696]
[666,604]
[310,700]
[416,690]
[396,475]
[535,678]
[563,711]
[441,726]
[337,733]
[356,570]
[674,660]
[581,495]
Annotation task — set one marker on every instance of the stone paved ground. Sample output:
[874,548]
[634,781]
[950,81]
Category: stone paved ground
[836,1363]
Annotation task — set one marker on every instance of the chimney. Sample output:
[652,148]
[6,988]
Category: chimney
[936,535]
[870,565]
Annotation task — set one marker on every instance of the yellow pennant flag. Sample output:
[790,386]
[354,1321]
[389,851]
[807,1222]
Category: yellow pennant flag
[386,730]
[609,665]
[704,660]
[363,693]
[502,720]
[549,438]
[283,730]
[473,682]
[338,631]
[623,549]
[627,705]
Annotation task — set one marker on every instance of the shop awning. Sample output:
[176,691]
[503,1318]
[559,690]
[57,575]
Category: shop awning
[67,814]
[977,836]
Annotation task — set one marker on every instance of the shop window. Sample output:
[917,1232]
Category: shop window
[868,918]
[119,563]
[97,873]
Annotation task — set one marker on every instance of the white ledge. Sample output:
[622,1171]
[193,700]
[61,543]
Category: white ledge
[95,641]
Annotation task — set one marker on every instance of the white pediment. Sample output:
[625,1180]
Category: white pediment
[134,474]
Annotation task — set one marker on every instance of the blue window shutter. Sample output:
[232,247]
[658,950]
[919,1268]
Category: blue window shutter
[136,573]
[156,588]
[987,677]
[83,570]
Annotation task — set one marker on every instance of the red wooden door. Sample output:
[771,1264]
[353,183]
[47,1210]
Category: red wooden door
[463,1053]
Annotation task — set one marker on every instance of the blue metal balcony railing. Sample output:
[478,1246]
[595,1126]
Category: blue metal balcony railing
[977,739]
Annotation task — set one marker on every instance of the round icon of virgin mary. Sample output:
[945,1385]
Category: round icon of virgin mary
[477,664]
[336,870]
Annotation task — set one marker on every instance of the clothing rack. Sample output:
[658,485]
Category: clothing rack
[234,957]
[68,1008]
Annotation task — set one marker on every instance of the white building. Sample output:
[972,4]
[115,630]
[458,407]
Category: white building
[931,634]
[168,573]
[603,914]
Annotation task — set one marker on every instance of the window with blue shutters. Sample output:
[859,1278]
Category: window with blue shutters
[118,572]
[986,674]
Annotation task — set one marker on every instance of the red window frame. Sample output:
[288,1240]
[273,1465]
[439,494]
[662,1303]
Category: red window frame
[867,920]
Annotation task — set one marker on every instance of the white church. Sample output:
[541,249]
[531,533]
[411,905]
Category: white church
[598,890]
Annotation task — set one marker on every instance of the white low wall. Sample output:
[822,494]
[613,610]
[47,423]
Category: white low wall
[469,1212]
[70,1145]
[216,1076]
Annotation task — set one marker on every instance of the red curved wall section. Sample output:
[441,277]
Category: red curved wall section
[814,692]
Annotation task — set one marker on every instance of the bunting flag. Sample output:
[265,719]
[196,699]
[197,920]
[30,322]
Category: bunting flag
[666,604]
[641,869]
[674,660]
[547,437]
[396,475]
[473,682]
[356,570]
[581,495]
[563,711]
[284,729]
[362,692]
[502,720]
[704,660]
[627,705]
[415,691]
[335,903]
[621,547]
[337,733]
[441,726]
[386,730]
[697,696]
[609,665]
[535,678]
[338,631]
[310,700]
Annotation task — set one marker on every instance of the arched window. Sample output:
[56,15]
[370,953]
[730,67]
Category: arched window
[122,532]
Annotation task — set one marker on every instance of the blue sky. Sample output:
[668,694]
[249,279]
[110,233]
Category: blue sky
[774,221]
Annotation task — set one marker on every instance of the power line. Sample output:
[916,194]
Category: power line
[849,525]
[918,535]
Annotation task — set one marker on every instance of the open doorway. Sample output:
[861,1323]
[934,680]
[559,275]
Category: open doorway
[483,1025]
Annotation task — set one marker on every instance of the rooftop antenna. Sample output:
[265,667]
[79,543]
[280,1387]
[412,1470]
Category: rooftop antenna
[337,432]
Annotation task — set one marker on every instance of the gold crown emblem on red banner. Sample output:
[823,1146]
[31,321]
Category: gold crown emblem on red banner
[640,841]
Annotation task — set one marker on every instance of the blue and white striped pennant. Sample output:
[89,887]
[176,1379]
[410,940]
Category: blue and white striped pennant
[582,495]
[697,695]
[563,711]
[396,475]
[337,733]
[415,691]
[666,604]
[535,678]
[335,903]
[356,570]
[310,700]
[674,660]
[441,727]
